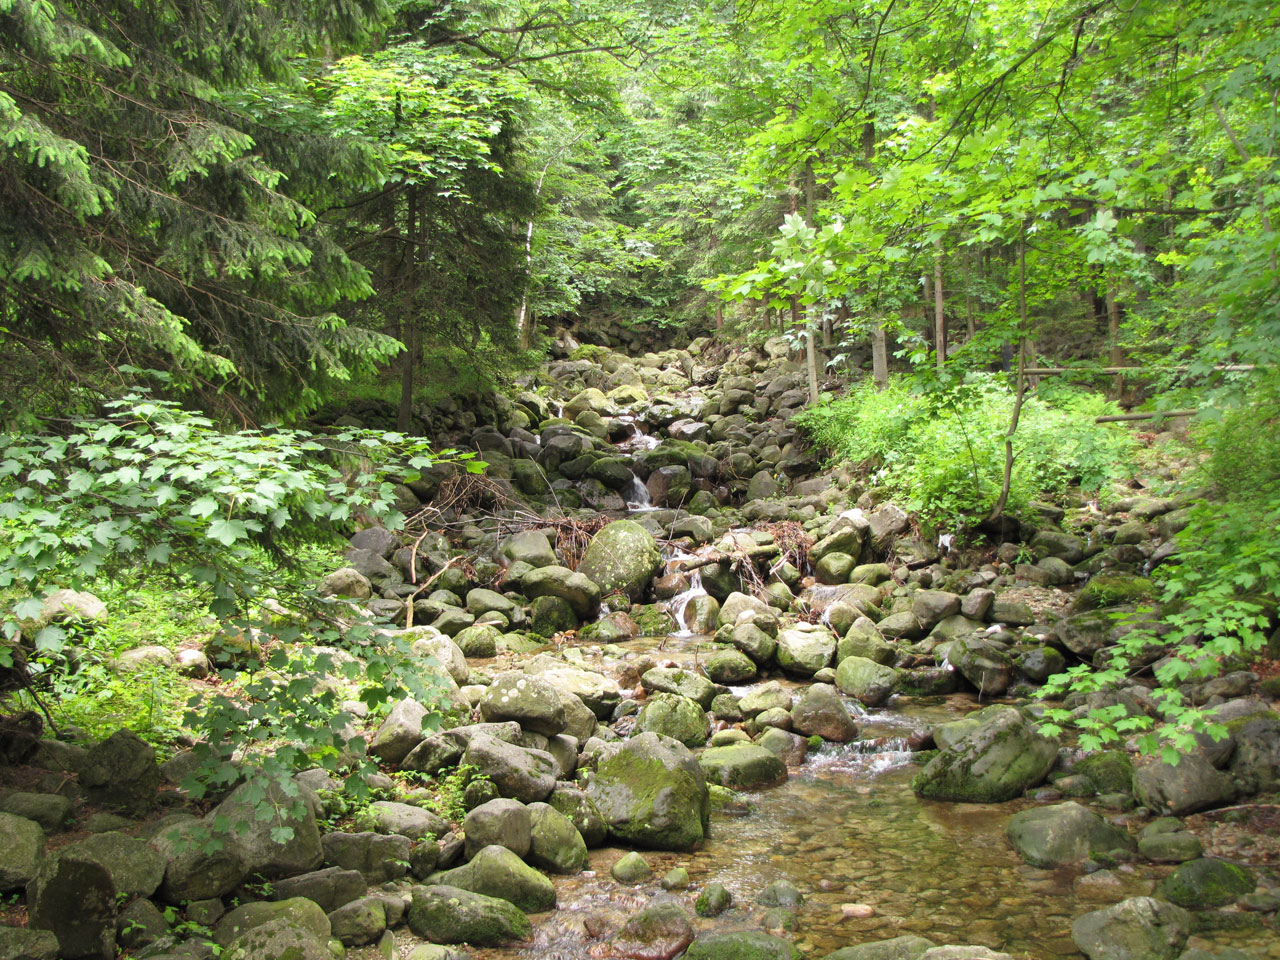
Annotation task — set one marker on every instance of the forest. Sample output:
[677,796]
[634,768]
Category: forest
[727,479]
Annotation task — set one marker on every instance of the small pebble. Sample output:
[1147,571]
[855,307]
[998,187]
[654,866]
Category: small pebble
[859,911]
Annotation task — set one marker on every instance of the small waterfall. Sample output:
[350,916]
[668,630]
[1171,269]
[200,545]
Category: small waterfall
[680,602]
[637,496]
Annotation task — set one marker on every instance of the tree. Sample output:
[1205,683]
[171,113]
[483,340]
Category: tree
[147,220]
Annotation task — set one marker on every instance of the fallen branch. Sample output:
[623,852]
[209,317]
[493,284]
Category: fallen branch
[752,553]
[1159,415]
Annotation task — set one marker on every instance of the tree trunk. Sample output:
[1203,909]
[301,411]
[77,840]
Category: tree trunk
[1116,354]
[812,314]
[939,321]
[412,340]
[720,315]
[879,354]
[1003,499]
[971,323]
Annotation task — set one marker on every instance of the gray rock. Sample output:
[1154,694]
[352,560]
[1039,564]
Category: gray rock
[276,940]
[1065,833]
[134,867]
[497,872]
[555,843]
[504,822]
[651,792]
[578,590]
[869,682]
[400,732]
[445,914]
[742,766]
[682,682]
[22,943]
[242,812]
[996,756]
[983,664]
[713,900]
[75,900]
[195,868]
[631,868]
[766,696]
[347,582]
[531,547]
[478,640]
[897,948]
[862,639]
[805,648]
[622,558]
[1141,928]
[754,642]
[22,841]
[330,888]
[519,773]
[1255,765]
[578,808]
[378,857]
[537,705]
[359,922]
[731,667]
[406,820]
[931,606]
[1193,784]
[121,772]
[820,712]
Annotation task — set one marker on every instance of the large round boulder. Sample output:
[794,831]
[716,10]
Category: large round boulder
[622,557]
[997,756]
[445,914]
[651,792]
[676,717]
[1064,833]
[1141,928]
[497,872]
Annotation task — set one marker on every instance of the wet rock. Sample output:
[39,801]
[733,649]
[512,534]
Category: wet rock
[22,841]
[1110,771]
[1206,883]
[820,712]
[730,667]
[522,774]
[529,546]
[805,648]
[1141,928]
[996,756]
[897,948]
[713,900]
[651,792]
[622,558]
[1065,833]
[863,640]
[445,914]
[121,772]
[554,842]
[742,766]
[865,680]
[780,893]
[1040,663]
[497,872]
[631,868]
[669,680]
[504,822]
[735,607]
[1165,841]
[1193,784]
[659,932]
[677,878]
[674,716]
[748,945]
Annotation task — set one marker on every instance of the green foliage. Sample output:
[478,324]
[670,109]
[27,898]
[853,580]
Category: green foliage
[942,453]
[1219,596]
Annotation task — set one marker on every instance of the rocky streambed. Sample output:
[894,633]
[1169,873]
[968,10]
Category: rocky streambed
[711,702]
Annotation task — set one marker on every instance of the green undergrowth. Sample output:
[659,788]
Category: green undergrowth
[941,455]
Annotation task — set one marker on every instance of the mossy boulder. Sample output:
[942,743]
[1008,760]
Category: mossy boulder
[671,680]
[497,872]
[445,914]
[622,558]
[742,766]
[1113,589]
[730,667]
[1207,883]
[579,591]
[651,792]
[1140,928]
[865,680]
[998,756]
[674,716]
[1061,834]
[296,911]
[743,945]
[1110,771]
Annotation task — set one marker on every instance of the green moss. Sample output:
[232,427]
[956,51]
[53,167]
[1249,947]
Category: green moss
[1110,771]
[1113,589]
[1205,883]
[684,807]
[652,620]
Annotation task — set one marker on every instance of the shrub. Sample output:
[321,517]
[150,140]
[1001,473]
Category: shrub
[942,453]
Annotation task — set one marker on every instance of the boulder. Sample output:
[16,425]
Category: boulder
[1061,834]
[23,943]
[753,641]
[742,766]
[982,663]
[134,867]
[896,948]
[578,808]
[651,792]
[378,857]
[554,842]
[869,682]
[298,912]
[331,887]
[400,732]
[278,940]
[359,922]
[497,872]
[519,773]
[1141,928]
[1192,784]
[402,819]
[254,818]
[999,755]
[537,705]
[194,867]
[623,558]
[931,606]
[579,591]
[731,667]
[767,696]
[745,945]
[75,899]
[445,914]
[862,639]
[1207,883]
[22,841]
[659,932]
[820,712]
[681,682]
[427,643]
[501,821]
[480,640]
[631,868]
[121,772]
[676,717]
[347,582]
[805,648]
[1255,765]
